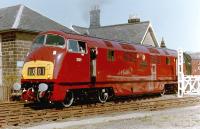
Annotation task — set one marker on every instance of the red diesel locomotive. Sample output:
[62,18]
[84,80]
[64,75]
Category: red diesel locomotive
[62,67]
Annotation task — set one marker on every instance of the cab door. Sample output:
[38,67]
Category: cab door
[153,72]
[153,78]
[78,66]
[93,67]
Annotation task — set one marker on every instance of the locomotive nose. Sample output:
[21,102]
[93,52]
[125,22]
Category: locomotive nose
[38,70]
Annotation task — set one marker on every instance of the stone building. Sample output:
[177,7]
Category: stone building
[195,63]
[135,31]
[18,27]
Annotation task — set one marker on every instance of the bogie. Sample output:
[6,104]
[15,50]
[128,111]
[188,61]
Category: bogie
[69,99]
[103,95]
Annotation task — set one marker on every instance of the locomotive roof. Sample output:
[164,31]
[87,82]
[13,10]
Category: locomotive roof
[116,45]
[194,55]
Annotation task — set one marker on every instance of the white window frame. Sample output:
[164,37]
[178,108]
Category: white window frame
[61,46]
[86,51]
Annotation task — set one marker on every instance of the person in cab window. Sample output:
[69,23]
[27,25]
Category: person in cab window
[81,50]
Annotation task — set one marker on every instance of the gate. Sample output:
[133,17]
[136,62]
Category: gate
[187,84]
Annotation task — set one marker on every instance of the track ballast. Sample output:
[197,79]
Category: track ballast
[19,114]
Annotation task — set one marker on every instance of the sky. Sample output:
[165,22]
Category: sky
[178,21]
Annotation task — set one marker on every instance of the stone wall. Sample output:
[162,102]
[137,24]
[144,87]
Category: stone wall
[25,36]
[21,50]
[14,50]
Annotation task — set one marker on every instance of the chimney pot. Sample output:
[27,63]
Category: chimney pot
[133,19]
[95,17]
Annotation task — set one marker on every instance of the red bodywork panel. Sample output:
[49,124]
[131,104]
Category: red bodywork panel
[135,69]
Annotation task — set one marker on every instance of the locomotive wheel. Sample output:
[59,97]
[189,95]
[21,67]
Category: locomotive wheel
[69,99]
[102,96]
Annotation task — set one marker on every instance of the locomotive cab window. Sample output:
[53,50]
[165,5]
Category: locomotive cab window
[55,40]
[38,42]
[39,39]
[167,60]
[76,46]
[110,55]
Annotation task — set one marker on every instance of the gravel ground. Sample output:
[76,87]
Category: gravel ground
[187,118]
[177,118]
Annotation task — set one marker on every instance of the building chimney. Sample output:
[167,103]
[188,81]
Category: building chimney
[133,19]
[162,44]
[95,17]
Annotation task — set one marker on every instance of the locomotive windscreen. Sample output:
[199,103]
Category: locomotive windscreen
[38,42]
[51,40]
[54,40]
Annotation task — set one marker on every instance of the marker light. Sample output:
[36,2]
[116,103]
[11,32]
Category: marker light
[42,87]
[16,86]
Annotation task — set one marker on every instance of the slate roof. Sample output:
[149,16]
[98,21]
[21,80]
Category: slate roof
[130,32]
[21,17]
[195,56]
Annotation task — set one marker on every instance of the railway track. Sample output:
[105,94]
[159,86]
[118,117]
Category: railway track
[19,114]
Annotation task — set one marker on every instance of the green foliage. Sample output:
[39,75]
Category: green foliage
[188,64]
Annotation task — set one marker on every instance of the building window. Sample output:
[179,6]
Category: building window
[76,46]
[110,55]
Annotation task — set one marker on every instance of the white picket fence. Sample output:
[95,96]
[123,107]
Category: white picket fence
[187,84]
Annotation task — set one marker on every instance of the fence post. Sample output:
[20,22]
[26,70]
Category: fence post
[180,74]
